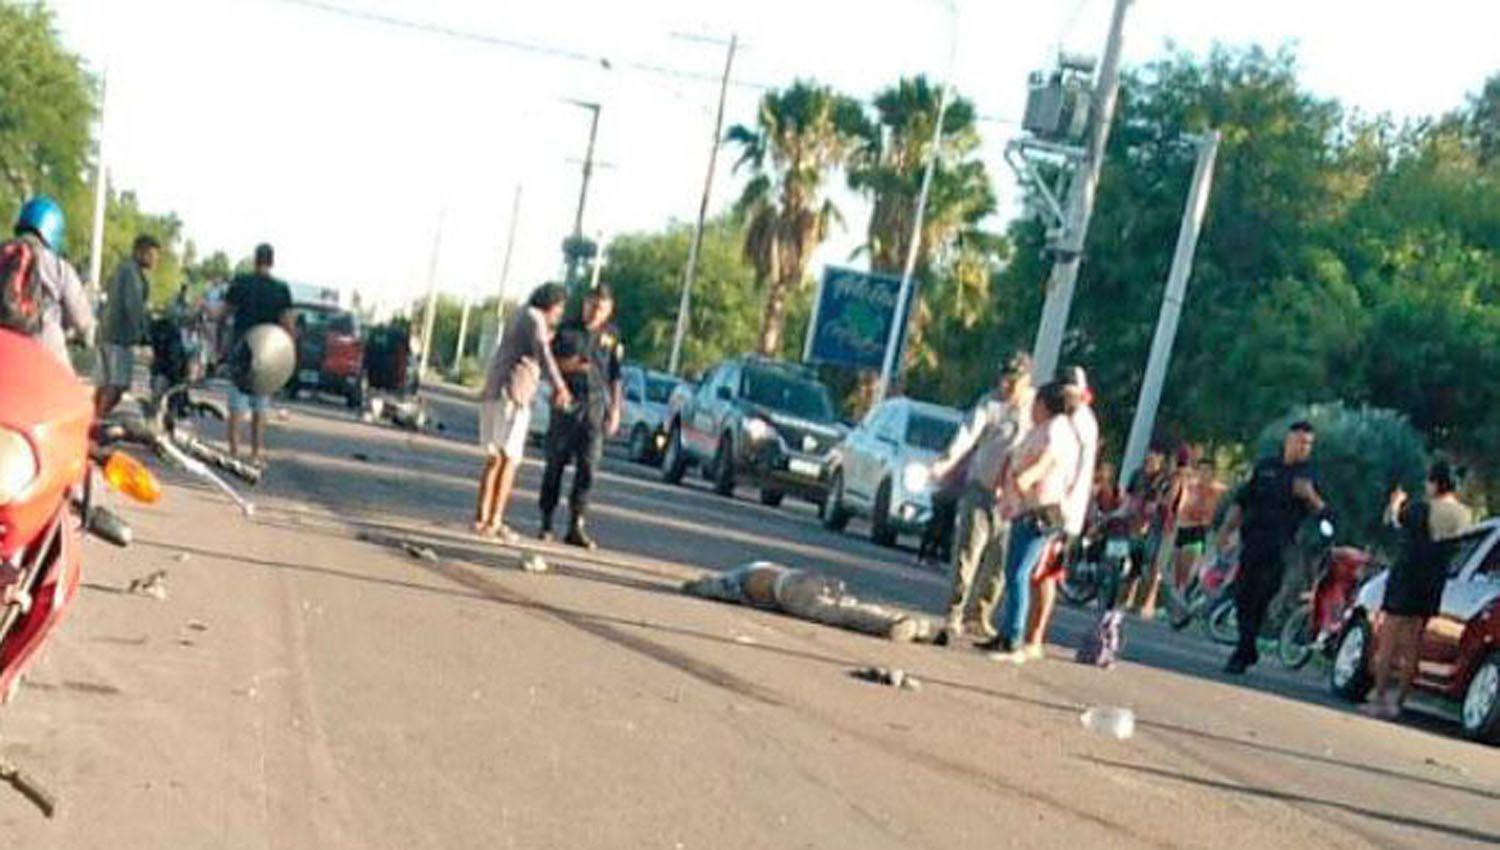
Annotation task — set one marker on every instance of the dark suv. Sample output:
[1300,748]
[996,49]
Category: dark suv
[762,422]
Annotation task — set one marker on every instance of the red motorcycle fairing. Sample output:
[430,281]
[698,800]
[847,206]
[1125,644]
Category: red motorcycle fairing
[51,576]
[43,401]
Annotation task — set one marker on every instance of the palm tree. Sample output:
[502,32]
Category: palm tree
[801,133]
[888,166]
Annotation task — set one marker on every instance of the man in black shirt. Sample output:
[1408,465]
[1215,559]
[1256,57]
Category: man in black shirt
[1268,510]
[589,353]
[254,299]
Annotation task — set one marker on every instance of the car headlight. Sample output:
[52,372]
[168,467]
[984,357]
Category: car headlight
[758,430]
[18,465]
[916,478]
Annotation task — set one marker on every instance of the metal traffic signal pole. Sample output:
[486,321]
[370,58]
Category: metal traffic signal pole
[1064,279]
[708,184]
[1171,307]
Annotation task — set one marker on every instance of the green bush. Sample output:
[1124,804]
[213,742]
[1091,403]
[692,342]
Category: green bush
[1360,453]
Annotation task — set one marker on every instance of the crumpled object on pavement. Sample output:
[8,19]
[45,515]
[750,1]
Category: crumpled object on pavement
[153,585]
[808,596]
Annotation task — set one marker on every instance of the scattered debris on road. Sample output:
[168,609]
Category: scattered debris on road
[197,625]
[28,786]
[892,676]
[809,596]
[181,557]
[532,562]
[153,585]
[746,640]
[1111,721]
[423,553]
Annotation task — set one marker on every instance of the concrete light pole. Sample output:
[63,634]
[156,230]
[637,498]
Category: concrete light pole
[430,315]
[101,191]
[574,242]
[1171,308]
[1064,278]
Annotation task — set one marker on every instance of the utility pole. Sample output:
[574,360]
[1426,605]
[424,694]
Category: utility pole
[598,261]
[1064,279]
[903,296]
[1171,307]
[684,303]
[430,315]
[101,191]
[463,331]
[573,246]
[510,244]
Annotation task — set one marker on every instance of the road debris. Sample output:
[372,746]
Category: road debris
[1111,721]
[532,562]
[809,596]
[28,786]
[424,553]
[892,676]
[197,625]
[153,585]
[181,557]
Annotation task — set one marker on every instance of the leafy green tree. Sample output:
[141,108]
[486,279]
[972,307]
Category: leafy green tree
[646,270]
[801,134]
[47,105]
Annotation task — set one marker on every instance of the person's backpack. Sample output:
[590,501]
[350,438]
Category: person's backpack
[1102,646]
[22,294]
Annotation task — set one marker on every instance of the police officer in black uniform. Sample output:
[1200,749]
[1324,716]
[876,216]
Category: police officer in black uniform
[589,353]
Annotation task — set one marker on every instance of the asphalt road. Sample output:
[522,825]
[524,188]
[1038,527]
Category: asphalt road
[308,683]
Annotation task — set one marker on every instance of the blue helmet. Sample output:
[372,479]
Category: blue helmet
[41,215]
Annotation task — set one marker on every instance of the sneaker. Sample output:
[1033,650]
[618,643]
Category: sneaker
[1014,656]
[505,534]
[994,644]
[947,635]
[982,629]
[1236,666]
[580,538]
[1035,652]
[546,535]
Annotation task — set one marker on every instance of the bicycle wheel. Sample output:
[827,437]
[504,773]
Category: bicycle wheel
[1223,623]
[1294,647]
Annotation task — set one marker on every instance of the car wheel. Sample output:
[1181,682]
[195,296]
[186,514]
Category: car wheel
[880,518]
[835,515]
[674,465]
[640,444]
[1350,675]
[771,497]
[724,467]
[1295,645]
[1481,710]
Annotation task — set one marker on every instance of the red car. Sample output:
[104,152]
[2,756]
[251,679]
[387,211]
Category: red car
[1460,655]
[330,354]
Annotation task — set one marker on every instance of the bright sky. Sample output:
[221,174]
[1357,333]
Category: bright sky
[343,141]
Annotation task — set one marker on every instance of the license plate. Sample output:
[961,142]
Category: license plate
[1116,548]
[809,468]
[308,376]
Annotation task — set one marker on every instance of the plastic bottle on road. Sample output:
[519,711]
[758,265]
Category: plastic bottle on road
[1112,721]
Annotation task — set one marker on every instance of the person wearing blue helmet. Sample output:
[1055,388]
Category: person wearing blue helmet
[65,306]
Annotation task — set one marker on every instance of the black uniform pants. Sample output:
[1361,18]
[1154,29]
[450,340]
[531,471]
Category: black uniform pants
[1260,577]
[577,439]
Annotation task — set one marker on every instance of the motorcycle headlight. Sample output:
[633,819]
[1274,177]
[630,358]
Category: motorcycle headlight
[18,465]
[916,478]
[758,430]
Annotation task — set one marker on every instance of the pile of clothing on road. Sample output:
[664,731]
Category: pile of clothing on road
[808,596]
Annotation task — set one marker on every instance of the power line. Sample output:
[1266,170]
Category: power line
[552,51]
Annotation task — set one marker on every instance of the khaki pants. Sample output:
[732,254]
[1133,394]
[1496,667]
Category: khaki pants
[978,558]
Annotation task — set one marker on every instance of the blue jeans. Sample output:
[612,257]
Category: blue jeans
[1028,542]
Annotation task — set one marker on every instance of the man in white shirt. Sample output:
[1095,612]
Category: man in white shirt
[978,452]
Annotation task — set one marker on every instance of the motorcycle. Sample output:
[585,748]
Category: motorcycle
[52,454]
[1310,628]
[1103,563]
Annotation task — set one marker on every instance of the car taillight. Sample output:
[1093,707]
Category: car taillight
[18,465]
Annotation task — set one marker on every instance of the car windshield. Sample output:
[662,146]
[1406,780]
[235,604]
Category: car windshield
[929,432]
[1463,549]
[659,389]
[788,394]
